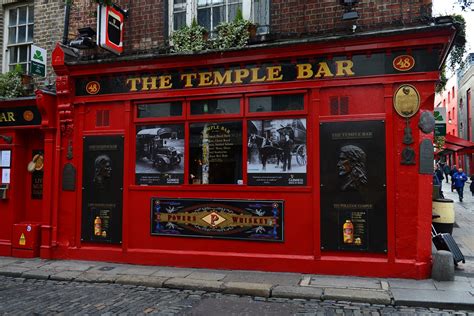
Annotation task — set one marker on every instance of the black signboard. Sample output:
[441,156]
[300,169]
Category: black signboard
[102,189]
[276,153]
[353,186]
[228,219]
[20,116]
[69,177]
[37,179]
[426,157]
[421,60]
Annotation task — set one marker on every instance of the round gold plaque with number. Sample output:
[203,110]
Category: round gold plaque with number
[406,101]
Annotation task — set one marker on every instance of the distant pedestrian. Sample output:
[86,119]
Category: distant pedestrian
[446,170]
[451,173]
[437,182]
[459,178]
[439,174]
[471,187]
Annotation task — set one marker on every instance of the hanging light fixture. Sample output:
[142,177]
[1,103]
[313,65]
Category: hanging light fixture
[350,13]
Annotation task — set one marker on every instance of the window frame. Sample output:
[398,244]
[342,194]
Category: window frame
[244,117]
[6,46]
[191,11]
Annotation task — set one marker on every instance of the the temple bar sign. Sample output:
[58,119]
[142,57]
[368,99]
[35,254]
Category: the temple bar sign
[110,21]
[302,69]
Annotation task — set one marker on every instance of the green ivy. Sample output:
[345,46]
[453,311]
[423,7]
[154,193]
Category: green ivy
[456,56]
[232,34]
[189,38]
[11,85]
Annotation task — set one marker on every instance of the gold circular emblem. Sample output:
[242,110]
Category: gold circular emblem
[28,116]
[93,87]
[403,62]
[406,100]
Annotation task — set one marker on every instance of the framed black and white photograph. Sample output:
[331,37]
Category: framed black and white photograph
[276,152]
[160,154]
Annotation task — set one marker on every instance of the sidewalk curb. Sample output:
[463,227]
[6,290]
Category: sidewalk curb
[377,297]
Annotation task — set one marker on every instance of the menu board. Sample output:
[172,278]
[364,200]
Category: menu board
[216,153]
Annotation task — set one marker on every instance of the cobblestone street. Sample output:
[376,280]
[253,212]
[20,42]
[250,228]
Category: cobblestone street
[28,296]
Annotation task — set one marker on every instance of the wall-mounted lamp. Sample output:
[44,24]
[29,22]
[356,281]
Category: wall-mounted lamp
[7,139]
[450,121]
[350,14]
[85,39]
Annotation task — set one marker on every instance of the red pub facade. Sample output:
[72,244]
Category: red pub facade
[304,156]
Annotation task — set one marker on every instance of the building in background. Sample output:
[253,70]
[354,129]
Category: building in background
[465,110]
[309,149]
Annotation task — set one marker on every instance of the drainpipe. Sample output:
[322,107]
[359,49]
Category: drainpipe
[67,11]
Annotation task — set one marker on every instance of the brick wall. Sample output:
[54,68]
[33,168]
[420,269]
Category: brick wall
[289,17]
[48,28]
[49,21]
[146,27]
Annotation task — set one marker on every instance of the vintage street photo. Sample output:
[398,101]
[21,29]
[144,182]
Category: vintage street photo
[276,153]
[160,154]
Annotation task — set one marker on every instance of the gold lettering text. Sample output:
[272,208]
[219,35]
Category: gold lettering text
[149,83]
[205,79]
[133,83]
[220,79]
[304,71]
[323,71]
[165,82]
[344,67]
[188,78]
[255,77]
[241,74]
[274,73]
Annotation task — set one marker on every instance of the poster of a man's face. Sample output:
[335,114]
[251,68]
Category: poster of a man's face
[102,170]
[351,167]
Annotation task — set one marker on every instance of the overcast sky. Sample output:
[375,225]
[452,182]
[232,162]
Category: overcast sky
[447,7]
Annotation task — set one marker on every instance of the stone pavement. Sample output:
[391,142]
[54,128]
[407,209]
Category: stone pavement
[455,295]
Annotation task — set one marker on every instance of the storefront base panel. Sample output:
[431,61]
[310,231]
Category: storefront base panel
[331,265]
[5,248]
[24,253]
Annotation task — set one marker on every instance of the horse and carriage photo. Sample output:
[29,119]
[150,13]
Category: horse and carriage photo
[272,144]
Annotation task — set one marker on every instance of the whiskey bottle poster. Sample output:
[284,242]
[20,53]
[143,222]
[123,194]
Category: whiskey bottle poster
[353,186]
[102,189]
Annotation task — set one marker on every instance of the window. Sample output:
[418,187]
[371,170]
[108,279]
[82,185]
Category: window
[209,13]
[449,96]
[215,153]
[452,93]
[219,142]
[292,102]
[18,37]
[218,106]
[159,110]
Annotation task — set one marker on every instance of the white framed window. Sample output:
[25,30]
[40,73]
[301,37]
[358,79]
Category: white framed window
[209,13]
[18,37]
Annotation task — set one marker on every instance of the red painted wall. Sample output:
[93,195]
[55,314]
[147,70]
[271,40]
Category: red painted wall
[408,206]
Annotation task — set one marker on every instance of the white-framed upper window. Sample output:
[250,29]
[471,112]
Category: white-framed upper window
[209,13]
[18,37]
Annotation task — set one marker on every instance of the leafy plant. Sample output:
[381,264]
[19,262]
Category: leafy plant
[456,56]
[233,34]
[189,38]
[439,141]
[11,85]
